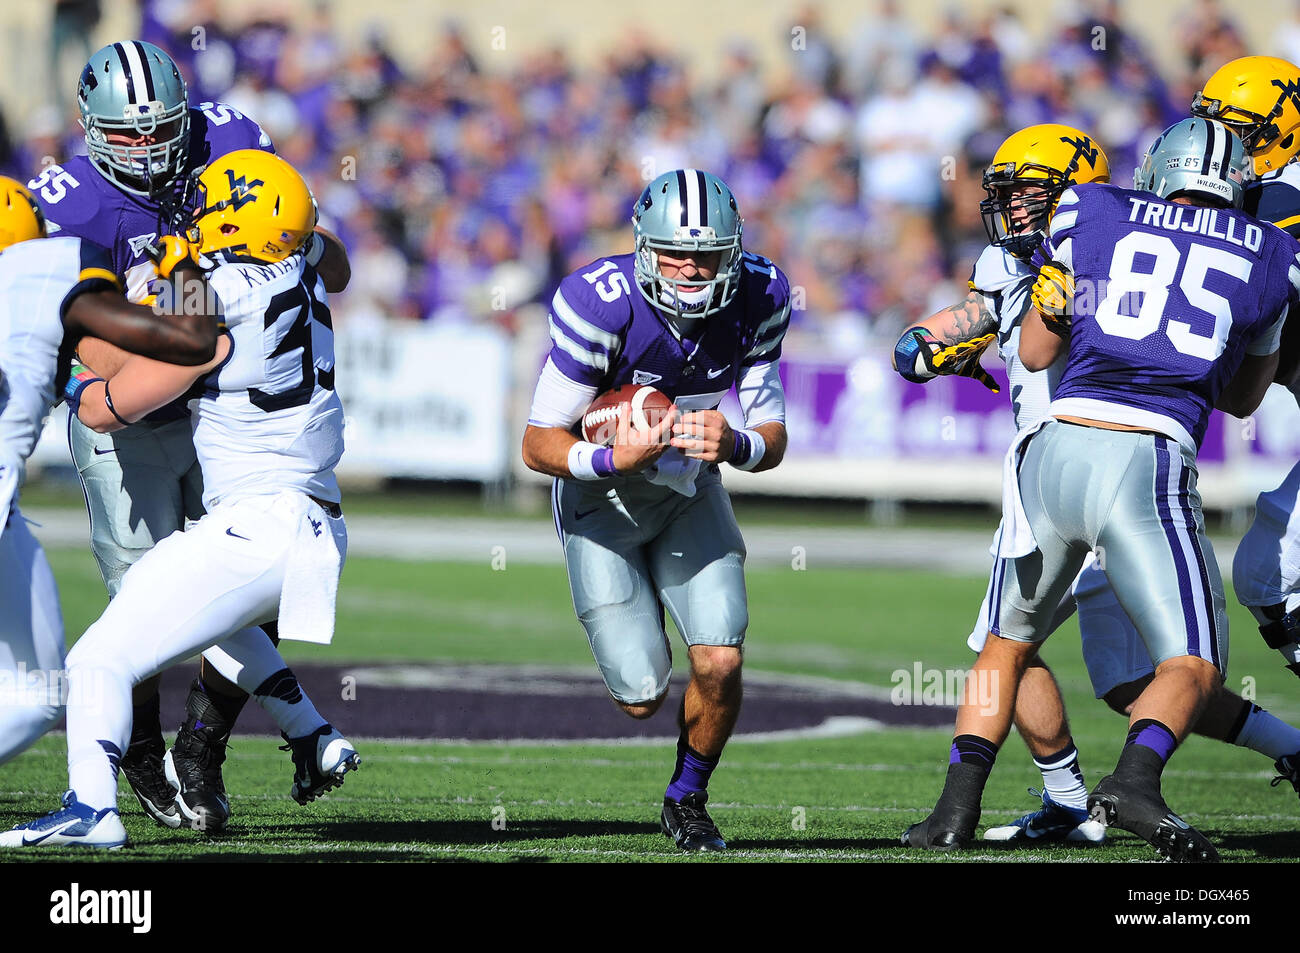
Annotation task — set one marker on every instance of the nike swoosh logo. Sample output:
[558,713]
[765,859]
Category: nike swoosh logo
[230,531]
[719,372]
[99,452]
[577,516]
[32,841]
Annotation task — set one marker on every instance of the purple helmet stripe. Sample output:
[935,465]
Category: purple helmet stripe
[681,195]
[704,198]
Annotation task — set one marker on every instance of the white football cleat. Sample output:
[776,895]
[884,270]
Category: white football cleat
[320,760]
[72,825]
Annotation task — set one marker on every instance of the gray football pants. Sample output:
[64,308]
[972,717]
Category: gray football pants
[1131,498]
[141,484]
[636,549]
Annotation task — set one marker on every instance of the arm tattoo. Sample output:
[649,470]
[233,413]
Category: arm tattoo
[969,320]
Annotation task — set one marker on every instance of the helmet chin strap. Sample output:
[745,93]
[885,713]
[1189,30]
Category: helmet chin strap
[688,301]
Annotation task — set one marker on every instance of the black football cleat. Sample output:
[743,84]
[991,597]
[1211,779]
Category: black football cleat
[689,825]
[142,766]
[193,765]
[935,833]
[320,760]
[1288,769]
[1125,805]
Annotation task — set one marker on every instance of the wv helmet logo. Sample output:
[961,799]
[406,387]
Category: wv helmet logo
[1084,148]
[241,190]
[1290,89]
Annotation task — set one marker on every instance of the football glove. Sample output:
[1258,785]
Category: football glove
[962,358]
[171,252]
[1053,295]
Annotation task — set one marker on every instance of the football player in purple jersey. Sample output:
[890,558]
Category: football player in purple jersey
[646,525]
[146,145]
[1167,302]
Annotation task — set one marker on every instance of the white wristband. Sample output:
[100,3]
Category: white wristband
[757,449]
[582,460]
[315,249]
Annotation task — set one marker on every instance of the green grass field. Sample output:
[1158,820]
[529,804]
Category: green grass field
[828,799]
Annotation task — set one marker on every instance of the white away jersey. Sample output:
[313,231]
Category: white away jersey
[268,418]
[1005,282]
[37,279]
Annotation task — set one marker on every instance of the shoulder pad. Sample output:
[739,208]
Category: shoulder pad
[579,295]
[1275,200]
[90,201]
[217,129]
[997,269]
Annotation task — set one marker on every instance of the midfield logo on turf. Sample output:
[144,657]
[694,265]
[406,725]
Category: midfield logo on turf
[946,687]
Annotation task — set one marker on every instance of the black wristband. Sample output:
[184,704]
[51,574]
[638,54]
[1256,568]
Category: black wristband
[108,402]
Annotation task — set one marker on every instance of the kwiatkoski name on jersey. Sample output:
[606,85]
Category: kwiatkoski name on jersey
[605,334]
[268,418]
[78,200]
[1174,295]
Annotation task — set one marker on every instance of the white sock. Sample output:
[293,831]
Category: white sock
[1268,734]
[1063,778]
[99,728]
[250,660]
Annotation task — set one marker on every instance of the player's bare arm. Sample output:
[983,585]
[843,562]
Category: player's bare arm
[960,322]
[546,449]
[181,338]
[1039,345]
[107,359]
[139,387]
[334,268]
[1244,393]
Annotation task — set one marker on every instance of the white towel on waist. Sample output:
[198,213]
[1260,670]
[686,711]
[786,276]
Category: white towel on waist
[675,471]
[1016,536]
[311,580]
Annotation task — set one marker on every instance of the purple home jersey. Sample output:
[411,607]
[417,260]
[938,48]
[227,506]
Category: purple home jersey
[78,200]
[605,334]
[1168,300]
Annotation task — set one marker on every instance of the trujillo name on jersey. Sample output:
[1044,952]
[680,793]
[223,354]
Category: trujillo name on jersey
[605,334]
[78,200]
[1167,299]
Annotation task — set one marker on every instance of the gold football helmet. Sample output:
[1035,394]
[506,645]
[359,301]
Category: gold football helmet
[21,218]
[1029,172]
[252,205]
[1258,98]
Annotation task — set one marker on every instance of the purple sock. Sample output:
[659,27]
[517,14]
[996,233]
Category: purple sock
[692,772]
[1151,734]
[972,749]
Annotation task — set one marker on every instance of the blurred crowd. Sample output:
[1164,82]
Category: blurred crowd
[465,193]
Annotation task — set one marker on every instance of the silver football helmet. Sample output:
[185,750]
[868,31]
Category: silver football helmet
[1201,156]
[687,211]
[133,89]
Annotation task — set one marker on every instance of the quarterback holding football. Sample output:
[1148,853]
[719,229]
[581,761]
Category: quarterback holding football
[645,524]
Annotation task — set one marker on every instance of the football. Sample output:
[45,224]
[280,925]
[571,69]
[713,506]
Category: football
[600,419]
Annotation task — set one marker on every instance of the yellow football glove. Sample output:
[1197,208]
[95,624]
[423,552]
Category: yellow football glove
[170,253]
[962,358]
[1053,296]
